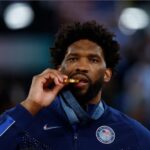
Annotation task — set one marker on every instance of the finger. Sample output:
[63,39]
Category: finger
[48,72]
[56,78]
[57,88]
[51,82]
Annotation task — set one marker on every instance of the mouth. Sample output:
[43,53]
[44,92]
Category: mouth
[81,84]
[82,80]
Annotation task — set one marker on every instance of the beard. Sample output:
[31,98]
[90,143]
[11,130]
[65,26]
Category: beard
[91,92]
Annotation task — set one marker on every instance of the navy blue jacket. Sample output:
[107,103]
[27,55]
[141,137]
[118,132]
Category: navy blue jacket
[50,130]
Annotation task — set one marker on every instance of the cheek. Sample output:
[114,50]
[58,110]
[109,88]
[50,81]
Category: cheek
[68,66]
[97,74]
[65,69]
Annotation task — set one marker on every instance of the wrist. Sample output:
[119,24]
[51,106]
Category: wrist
[31,106]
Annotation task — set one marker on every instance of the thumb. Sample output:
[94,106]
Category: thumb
[57,88]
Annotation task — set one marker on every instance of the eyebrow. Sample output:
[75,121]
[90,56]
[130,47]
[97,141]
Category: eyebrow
[94,55]
[89,55]
[72,54]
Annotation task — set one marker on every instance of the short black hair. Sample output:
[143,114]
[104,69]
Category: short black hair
[90,30]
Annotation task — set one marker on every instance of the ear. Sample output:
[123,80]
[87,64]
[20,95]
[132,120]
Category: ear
[107,75]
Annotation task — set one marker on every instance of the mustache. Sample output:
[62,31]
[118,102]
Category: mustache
[72,75]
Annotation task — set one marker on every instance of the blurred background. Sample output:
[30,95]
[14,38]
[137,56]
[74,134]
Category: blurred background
[27,30]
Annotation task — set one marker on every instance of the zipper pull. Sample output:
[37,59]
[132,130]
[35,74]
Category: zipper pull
[75,136]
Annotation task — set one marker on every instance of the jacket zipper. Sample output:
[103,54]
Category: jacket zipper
[75,141]
[75,137]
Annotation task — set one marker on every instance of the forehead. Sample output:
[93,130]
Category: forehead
[86,46]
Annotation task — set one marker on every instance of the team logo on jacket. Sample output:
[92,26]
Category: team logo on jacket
[105,134]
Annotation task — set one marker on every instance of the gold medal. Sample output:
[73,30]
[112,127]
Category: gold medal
[71,81]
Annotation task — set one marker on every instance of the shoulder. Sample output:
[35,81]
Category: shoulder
[129,125]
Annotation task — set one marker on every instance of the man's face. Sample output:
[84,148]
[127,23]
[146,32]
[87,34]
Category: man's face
[84,61]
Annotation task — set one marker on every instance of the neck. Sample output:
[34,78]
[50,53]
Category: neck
[95,100]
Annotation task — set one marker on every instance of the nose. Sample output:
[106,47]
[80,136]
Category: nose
[82,66]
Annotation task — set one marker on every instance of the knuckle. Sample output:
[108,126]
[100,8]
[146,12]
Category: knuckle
[47,70]
[36,77]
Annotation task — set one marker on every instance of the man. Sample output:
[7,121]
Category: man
[64,109]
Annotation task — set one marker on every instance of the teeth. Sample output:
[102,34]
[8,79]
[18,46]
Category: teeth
[71,81]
